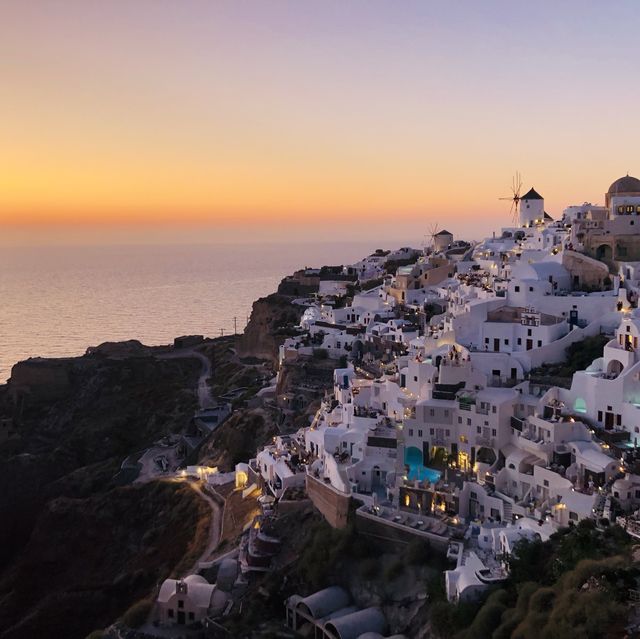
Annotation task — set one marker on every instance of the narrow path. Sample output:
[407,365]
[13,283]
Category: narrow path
[215,527]
[205,399]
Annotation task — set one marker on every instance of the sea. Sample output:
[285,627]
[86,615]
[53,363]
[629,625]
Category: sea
[56,301]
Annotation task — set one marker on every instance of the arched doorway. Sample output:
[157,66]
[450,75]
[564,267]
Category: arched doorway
[614,368]
[604,252]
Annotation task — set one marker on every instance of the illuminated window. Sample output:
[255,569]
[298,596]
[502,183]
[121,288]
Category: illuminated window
[580,405]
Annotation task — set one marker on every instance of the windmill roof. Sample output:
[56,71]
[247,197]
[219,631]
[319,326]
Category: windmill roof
[444,232]
[532,194]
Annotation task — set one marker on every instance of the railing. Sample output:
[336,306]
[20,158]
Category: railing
[443,395]
[484,441]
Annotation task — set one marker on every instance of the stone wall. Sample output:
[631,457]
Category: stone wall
[390,532]
[585,271]
[333,504]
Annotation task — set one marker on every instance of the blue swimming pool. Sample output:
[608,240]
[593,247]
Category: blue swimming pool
[423,473]
[417,470]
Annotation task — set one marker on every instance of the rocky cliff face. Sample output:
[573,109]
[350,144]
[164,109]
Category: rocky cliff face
[77,419]
[239,438]
[272,319]
[88,559]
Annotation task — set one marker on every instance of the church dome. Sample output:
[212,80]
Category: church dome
[626,184]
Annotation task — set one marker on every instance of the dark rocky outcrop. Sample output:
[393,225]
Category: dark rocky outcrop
[88,559]
[273,318]
[77,419]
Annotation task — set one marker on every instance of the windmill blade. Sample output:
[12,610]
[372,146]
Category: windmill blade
[518,185]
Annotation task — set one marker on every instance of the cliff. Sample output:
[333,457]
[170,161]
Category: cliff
[88,559]
[272,319]
[239,438]
[77,419]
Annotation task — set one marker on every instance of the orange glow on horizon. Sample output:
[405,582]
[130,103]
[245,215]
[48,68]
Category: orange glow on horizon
[236,113]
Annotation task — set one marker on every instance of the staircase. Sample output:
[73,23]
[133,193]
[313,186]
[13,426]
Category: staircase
[508,511]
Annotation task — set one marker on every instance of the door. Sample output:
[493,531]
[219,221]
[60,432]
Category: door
[181,619]
[529,344]
[496,344]
[608,421]
[425,453]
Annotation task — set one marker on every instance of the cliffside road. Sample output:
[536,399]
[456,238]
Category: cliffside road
[160,461]
[204,392]
[205,400]
[215,527]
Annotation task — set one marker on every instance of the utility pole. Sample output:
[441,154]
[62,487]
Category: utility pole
[222,332]
[235,325]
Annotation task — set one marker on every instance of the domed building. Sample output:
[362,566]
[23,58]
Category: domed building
[623,196]
[189,600]
[616,237]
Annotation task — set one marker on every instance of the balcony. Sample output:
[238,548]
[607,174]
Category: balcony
[485,441]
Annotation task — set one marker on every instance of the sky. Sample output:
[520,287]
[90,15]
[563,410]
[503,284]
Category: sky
[203,119]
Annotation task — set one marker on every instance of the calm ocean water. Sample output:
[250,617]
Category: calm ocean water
[56,301]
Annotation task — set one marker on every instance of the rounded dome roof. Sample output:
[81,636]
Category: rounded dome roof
[626,184]
[195,579]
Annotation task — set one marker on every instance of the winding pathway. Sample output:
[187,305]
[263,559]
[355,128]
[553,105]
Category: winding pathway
[205,400]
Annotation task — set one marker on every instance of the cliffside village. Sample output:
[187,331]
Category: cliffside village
[441,423]
[445,421]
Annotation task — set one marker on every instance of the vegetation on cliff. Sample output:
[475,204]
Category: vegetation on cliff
[88,559]
[239,438]
[75,548]
[575,585]
[579,356]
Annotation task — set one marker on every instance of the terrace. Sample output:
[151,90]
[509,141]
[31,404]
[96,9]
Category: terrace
[420,524]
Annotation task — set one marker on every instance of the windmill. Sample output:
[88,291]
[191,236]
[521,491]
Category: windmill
[516,185]
[430,237]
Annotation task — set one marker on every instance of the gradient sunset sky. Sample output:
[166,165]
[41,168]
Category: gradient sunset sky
[272,114]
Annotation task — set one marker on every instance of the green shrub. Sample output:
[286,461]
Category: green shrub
[393,571]
[137,614]
[435,588]
[441,616]
[369,568]
[418,552]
